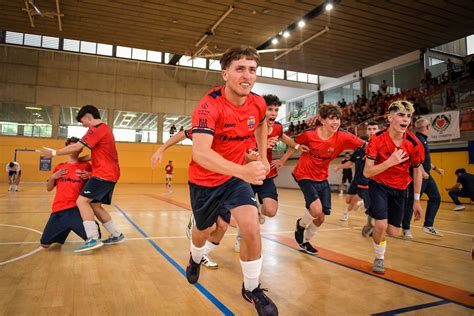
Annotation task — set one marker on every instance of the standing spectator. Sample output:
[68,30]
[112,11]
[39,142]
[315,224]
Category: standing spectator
[13,170]
[172,130]
[343,103]
[383,87]
[450,68]
[346,172]
[181,129]
[450,99]
[304,126]
[291,129]
[298,128]
[466,182]
[428,77]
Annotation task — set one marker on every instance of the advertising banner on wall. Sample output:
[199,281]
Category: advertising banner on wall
[444,126]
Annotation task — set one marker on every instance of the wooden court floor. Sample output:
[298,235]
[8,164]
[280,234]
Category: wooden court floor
[144,275]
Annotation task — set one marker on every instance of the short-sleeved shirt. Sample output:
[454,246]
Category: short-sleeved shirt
[100,140]
[314,164]
[277,131]
[169,169]
[68,188]
[467,182]
[381,147]
[346,171]
[426,147]
[16,167]
[231,127]
[358,158]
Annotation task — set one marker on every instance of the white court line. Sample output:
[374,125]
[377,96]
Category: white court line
[26,254]
[365,218]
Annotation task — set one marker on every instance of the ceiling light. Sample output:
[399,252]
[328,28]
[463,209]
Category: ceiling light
[329,7]
[286,34]
[275,41]
[301,23]
[33,108]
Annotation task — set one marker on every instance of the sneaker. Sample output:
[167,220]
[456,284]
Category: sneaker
[299,232]
[345,216]
[208,263]
[432,231]
[308,248]
[378,267]
[237,246]
[341,193]
[261,218]
[192,270]
[368,228]
[406,234]
[262,302]
[112,240]
[89,245]
[189,228]
[459,207]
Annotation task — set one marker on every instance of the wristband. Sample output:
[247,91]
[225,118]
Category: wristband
[417,196]
[53,152]
[297,147]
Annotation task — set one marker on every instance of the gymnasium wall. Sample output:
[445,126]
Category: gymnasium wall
[134,160]
[449,161]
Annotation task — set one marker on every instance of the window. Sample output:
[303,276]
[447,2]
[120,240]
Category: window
[104,49]
[32,40]
[267,72]
[167,57]
[302,77]
[25,120]
[214,64]
[139,54]
[291,75]
[50,42]
[14,38]
[88,47]
[278,73]
[71,45]
[313,78]
[136,127]
[199,63]
[124,52]
[154,56]
[179,123]
[69,126]
[185,61]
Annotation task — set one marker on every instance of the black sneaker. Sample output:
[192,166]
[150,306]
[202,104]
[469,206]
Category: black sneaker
[192,270]
[299,232]
[308,248]
[263,303]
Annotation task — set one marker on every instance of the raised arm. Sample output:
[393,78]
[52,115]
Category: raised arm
[48,152]
[158,155]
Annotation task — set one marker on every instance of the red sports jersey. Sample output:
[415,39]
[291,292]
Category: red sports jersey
[169,169]
[100,140]
[277,131]
[69,187]
[314,164]
[231,126]
[381,147]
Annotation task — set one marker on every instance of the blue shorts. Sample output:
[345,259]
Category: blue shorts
[60,225]
[386,203]
[313,190]
[210,202]
[266,190]
[362,191]
[99,190]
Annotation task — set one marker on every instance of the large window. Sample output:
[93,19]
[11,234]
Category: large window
[69,126]
[136,127]
[180,123]
[25,120]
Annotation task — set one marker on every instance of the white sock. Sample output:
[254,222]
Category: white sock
[91,229]
[306,219]
[251,271]
[380,249]
[110,226]
[209,246]
[310,231]
[197,253]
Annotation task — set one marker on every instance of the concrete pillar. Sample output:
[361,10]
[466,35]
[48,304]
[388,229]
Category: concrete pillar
[55,121]
[110,118]
[159,127]
[364,87]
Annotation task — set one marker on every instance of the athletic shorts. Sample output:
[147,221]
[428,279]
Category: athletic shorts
[266,190]
[313,190]
[60,224]
[386,203]
[346,177]
[169,176]
[11,173]
[362,191]
[210,202]
[99,190]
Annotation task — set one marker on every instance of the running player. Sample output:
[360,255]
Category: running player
[69,179]
[13,170]
[223,121]
[105,174]
[325,143]
[358,190]
[390,153]
[169,174]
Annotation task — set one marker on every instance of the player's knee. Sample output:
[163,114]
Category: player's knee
[380,225]
[271,211]
[221,225]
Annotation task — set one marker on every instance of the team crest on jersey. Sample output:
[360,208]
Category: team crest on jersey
[251,123]
[441,122]
[330,150]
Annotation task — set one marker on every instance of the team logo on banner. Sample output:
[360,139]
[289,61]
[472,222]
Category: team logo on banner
[441,122]
[251,123]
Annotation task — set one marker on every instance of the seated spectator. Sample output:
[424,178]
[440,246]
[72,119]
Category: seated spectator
[304,126]
[464,187]
[298,128]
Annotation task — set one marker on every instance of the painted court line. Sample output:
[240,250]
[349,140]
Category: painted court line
[412,308]
[201,288]
[26,254]
[436,289]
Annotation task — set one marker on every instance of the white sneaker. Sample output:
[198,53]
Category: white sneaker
[407,234]
[432,231]
[341,193]
[208,263]
[345,216]
[459,207]
[237,246]
[261,218]
[358,205]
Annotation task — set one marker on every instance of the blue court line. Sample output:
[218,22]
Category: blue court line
[373,275]
[412,308]
[201,288]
